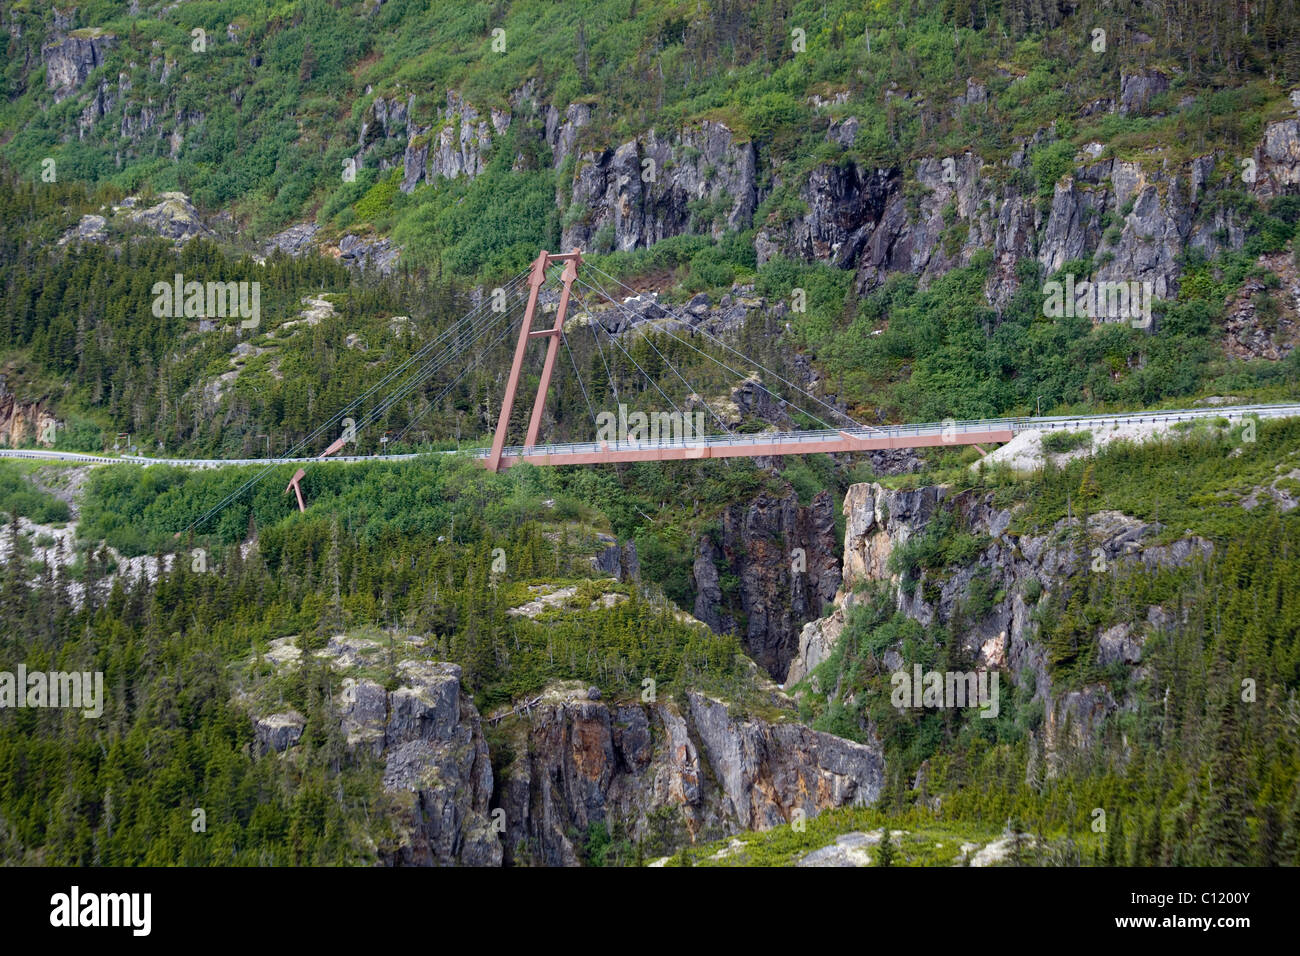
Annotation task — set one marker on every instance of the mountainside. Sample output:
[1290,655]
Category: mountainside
[1146,649]
[889,193]
[840,134]
[244,231]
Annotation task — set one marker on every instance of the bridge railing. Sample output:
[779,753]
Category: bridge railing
[1050,423]
[1014,425]
[752,438]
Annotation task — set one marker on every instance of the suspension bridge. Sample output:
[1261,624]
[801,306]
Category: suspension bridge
[514,308]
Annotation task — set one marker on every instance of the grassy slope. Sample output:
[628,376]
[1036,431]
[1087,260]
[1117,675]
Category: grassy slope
[646,63]
[273,137]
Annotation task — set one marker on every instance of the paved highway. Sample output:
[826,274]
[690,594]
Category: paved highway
[932,433]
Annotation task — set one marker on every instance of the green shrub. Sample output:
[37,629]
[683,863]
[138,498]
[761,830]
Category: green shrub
[378,200]
[1051,162]
[979,596]
[1267,234]
[79,434]
[962,547]
[19,497]
[1063,441]
[710,270]
[668,565]
[771,113]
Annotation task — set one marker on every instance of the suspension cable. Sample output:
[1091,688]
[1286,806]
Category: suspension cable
[613,386]
[430,368]
[717,361]
[437,398]
[709,335]
[447,333]
[578,376]
[632,360]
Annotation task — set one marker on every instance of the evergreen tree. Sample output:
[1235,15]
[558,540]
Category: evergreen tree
[1223,836]
[885,852]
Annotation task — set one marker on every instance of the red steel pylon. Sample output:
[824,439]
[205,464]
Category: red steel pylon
[535,282]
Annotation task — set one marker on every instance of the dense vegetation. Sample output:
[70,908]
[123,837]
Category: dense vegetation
[78,327]
[273,137]
[1201,768]
[1187,772]
[282,89]
[120,790]
[1203,775]
[75,324]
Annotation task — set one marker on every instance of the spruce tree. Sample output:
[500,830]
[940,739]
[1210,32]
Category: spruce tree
[885,850]
[1223,837]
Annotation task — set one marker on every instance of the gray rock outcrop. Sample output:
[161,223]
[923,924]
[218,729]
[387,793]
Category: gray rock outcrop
[664,774]
[457,145]
[1018,571]
[70,59]
[172,217]
[369,253]
[278,732]
[91,228]
[783,558]
[437,765]
[642,190]
[1136,90]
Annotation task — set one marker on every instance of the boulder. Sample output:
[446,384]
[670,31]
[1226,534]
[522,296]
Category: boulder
[91,228]
[1138,89]
[293,241]
[278,732]
[70,59]
[172,217]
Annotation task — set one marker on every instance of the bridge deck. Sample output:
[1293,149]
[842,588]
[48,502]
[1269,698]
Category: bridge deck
[991,431]
[749,446]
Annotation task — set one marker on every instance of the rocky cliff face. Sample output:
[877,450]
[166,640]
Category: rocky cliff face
[1133,217]
[137,120]
[456,145]
[665,774]
[1005,637]
[700,179]
[70,59]
[1264,322]
[1277,159]
[436,763]
[660,773]
[436,770]
[24,421]
[771,567]
[846,206]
